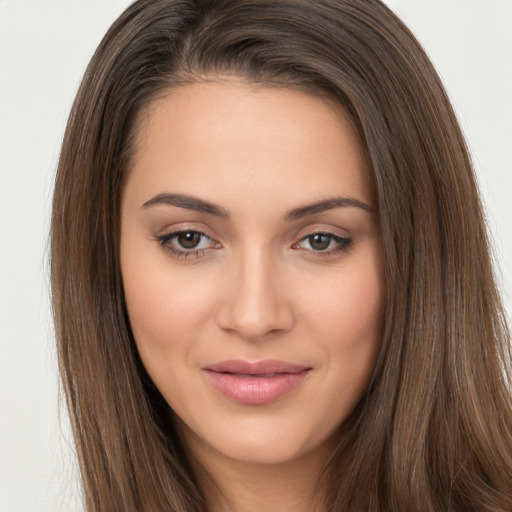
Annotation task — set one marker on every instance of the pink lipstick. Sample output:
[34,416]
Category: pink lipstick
[255,383]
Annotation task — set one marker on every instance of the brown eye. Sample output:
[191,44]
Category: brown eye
[319,241]
[188,243]
[324,243]
[188,239]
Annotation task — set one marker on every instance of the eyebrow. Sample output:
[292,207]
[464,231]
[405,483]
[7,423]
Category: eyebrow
[200,205]
[189,203]
[325,205]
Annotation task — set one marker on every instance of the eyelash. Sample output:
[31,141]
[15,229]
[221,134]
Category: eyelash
[165,241]
[342,244]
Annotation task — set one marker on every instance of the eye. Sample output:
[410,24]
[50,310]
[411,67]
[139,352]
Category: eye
[187,243]
[323,243]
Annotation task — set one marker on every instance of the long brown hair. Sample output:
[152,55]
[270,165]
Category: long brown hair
[433,430]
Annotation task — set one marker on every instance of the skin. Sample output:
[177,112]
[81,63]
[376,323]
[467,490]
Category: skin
[259,287]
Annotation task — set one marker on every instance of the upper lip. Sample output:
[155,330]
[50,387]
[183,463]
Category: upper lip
[263,367]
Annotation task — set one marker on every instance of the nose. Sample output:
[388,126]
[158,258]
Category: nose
[256,301]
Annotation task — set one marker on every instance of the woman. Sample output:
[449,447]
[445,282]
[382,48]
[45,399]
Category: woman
[271,276]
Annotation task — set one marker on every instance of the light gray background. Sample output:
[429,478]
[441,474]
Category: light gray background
[44,48]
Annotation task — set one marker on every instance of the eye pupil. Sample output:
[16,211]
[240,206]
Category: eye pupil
[189,239]
[319,242]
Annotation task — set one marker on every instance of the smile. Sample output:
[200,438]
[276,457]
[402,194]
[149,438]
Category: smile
[255,383]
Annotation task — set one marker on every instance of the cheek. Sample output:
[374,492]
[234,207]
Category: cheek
[351,304]
[349,322]
[166,309]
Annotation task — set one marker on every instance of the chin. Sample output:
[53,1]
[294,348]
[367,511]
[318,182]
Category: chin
[259,442]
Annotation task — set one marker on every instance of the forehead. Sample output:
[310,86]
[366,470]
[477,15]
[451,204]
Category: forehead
[229,135]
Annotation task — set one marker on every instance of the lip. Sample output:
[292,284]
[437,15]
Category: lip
[255,383]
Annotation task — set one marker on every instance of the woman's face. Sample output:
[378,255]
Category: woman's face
[252,267]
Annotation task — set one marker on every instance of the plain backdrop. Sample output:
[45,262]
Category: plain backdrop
[44,48]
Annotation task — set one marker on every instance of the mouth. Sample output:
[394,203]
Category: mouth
[255,383]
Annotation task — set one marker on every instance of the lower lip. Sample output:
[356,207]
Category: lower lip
[253,390]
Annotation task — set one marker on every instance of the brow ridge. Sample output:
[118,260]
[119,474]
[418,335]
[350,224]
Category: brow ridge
[327,204]
[189,203]
[200,205]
